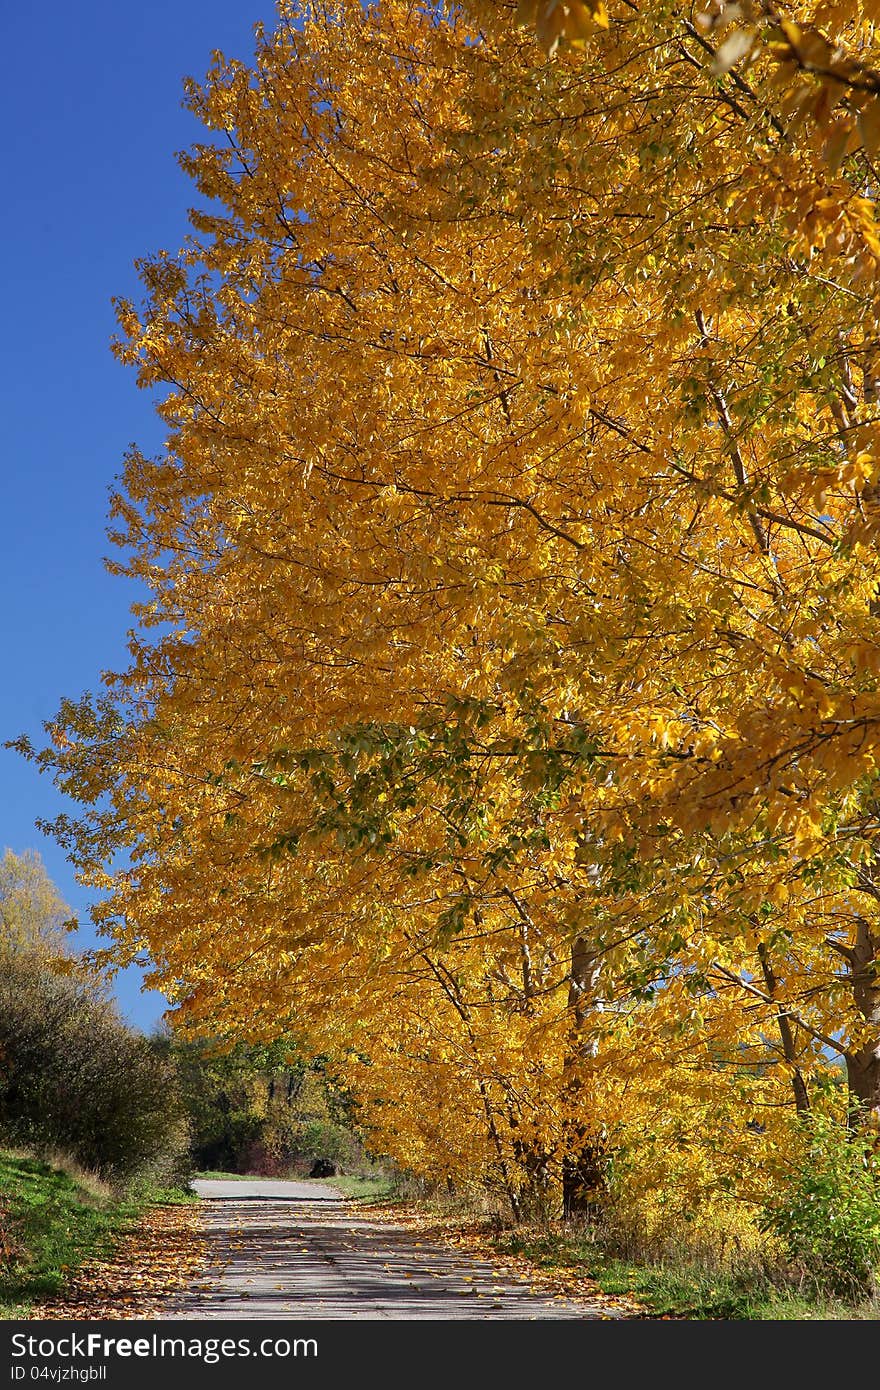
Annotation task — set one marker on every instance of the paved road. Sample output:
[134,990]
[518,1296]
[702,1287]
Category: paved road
[299,1250]
[278,1189]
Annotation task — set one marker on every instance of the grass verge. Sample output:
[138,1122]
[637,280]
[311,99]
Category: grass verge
[376,1189]
[218,1175]
[683,1289]
[52,1218]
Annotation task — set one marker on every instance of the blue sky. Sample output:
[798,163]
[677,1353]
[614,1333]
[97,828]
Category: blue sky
[91,118]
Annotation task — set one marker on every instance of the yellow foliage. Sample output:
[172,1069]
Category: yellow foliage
[504,719]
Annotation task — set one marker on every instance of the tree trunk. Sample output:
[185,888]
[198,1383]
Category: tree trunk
[786,1033]
[583,1176]
[863,1063]
[583,1161]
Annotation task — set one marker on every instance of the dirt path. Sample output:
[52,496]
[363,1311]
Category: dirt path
[298,1250]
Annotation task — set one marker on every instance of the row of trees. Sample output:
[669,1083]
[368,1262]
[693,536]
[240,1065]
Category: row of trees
[503,719]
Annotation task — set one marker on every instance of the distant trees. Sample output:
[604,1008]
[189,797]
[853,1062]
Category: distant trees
[32,912]
[262,1109]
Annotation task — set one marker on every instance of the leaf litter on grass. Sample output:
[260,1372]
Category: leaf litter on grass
[166,1252]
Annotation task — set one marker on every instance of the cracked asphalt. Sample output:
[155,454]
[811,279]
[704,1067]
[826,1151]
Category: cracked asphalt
[299,1250]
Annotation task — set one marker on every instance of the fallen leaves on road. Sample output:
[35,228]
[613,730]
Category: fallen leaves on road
[163,1254]
[475,1238]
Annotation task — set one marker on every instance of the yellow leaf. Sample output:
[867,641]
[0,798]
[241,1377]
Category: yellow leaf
[792,34]
[550,26]
[841,139]
[869,125]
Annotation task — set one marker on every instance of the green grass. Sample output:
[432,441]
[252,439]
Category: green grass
[683,1289]
[51,1222]
[53,1217]
[224,1177]
[365,1189]
[151,1196]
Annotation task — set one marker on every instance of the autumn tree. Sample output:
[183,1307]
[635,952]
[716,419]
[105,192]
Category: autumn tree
[802,84]
[503,719]
[33,915]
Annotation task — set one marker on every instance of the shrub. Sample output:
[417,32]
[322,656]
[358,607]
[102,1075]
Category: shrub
[72,1075]
[828,1213]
